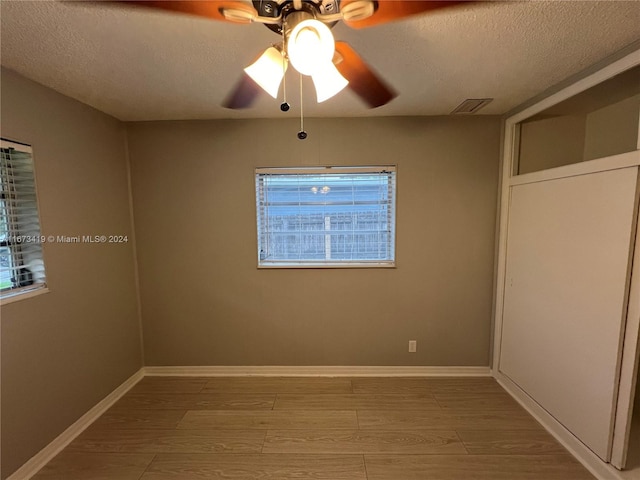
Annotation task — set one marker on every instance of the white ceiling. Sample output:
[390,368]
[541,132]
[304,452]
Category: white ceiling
[138,64]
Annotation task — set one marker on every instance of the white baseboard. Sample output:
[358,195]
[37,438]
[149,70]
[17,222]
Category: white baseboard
[593,463]
[318,371]
[40,459]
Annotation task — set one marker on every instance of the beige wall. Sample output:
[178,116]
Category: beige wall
[612,129]
[551,142]
[205,303]
[567,139]
[64,351]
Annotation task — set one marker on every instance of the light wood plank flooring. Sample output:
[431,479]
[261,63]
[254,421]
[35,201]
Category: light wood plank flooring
[285,428]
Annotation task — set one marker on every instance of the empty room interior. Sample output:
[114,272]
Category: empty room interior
[320,239]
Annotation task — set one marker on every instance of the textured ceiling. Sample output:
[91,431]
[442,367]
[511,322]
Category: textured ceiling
[145,65]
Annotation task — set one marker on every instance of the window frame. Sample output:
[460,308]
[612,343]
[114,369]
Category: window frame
[324,170]
[12,294]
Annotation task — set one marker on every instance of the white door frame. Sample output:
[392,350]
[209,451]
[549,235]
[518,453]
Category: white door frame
[629,361]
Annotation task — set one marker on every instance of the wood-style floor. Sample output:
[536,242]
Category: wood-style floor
[315,428]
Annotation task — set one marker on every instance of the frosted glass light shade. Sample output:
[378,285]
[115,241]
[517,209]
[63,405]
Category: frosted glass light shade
[310,49]
[328,81]
[268,70]
[310,46]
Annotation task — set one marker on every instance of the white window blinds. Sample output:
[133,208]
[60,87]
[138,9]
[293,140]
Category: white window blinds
[21,264]
[334,216]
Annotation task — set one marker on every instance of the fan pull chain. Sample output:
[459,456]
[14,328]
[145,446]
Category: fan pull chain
[301,134]
[284,81]
[284,106]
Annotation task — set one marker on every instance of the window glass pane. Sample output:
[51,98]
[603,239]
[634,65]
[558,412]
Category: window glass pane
[5,268]
[326,218]
[21,263]
[4,229]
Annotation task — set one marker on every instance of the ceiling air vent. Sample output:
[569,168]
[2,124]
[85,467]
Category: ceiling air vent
[471,105]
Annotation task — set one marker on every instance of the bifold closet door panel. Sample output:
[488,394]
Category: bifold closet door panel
[567,270]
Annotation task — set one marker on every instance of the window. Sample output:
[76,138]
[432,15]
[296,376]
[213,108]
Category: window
[326,217]
[21,265]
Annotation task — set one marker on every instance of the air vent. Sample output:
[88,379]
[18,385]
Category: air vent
[471,105]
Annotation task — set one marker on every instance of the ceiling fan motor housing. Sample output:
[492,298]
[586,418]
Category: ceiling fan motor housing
[284,8]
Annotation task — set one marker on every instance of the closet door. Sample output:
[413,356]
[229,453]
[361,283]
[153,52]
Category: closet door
[567,274]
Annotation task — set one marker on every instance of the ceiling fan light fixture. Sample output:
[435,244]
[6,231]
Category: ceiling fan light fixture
[268,70]
[328,82]
[310,46]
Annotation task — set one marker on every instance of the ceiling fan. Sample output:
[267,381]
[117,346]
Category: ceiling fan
[306,42]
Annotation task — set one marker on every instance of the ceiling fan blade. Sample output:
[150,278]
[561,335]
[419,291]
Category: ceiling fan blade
[390,10]
[244,93]
[211,9]
[362,80]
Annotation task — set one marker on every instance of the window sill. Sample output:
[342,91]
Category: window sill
[17,296]
[327,265]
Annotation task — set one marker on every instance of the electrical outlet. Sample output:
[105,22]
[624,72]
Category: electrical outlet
[412,346]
